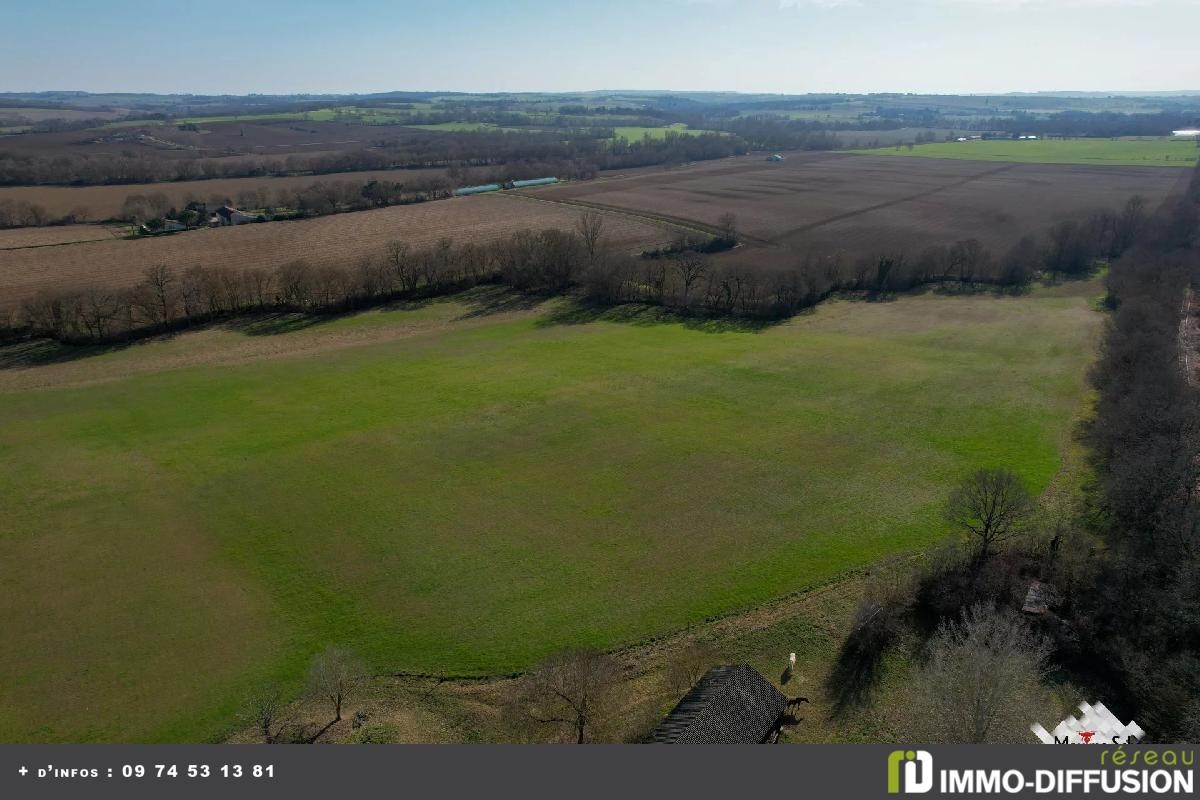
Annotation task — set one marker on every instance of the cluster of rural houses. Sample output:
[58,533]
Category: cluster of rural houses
[221,217]
[228,215]
[992,136]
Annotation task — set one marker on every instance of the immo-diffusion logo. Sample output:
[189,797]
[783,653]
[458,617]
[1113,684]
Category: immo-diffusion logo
[1095,725]
[917,773]
[1164,772]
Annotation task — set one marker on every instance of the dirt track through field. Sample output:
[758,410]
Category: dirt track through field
[24,238]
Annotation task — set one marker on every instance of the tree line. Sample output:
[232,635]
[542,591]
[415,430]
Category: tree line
[556,261]
[571,153]
[1104,594]
[1091,124]
[1140,618]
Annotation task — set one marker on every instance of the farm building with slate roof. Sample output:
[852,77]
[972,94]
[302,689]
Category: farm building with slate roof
[730,705]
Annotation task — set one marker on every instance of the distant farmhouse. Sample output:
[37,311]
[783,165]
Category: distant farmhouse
[228,215]
[166,226]
[730,705]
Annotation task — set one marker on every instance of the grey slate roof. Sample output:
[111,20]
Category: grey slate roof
[1039,598]
[730,705]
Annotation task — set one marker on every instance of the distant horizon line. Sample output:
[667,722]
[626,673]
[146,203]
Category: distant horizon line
[1012,93]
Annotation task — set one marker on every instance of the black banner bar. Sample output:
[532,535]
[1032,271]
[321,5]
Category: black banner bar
[569,772]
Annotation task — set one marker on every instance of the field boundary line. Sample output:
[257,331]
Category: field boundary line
[108,231]
[1189,336]
[56,244]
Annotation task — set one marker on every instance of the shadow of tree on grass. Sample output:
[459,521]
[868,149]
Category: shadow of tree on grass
[574,311]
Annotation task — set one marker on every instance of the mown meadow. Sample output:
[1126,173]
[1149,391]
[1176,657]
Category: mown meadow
[467,486]
[1132,152]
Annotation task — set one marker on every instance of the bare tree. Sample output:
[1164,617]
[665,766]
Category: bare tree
[991,505]
[1131,222]
[689,665]
[970,258]
[690,267]
[159,301]
[263,710]
[135,208]
[78,215]
[191,290]
[295,282]
[369,276]
[572,692]
[981,682]
[232,286]
[332,675]
[260,284]
[590,228]
[158,203]
[402,265]
[98,311]
[655,280]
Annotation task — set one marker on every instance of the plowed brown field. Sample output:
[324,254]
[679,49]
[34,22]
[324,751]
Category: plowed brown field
[863,205]
[339,239]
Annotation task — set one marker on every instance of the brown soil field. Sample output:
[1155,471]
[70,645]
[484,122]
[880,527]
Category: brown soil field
[214,139]
[104,202]
[274,138]
[339,239]
[16,238]
[43,114]
[863,205]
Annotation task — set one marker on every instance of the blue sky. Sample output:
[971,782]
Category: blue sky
[786,46]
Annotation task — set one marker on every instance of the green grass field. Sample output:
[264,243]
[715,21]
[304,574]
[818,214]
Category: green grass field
[636,134]
[1116,152]
[457,493]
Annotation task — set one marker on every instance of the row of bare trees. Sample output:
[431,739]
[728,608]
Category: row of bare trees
[521,154]
[315,199]
[334,678]
[1116,602]
[1139,615]
[28,214]
[571,696]
[690,281]
[555,261]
